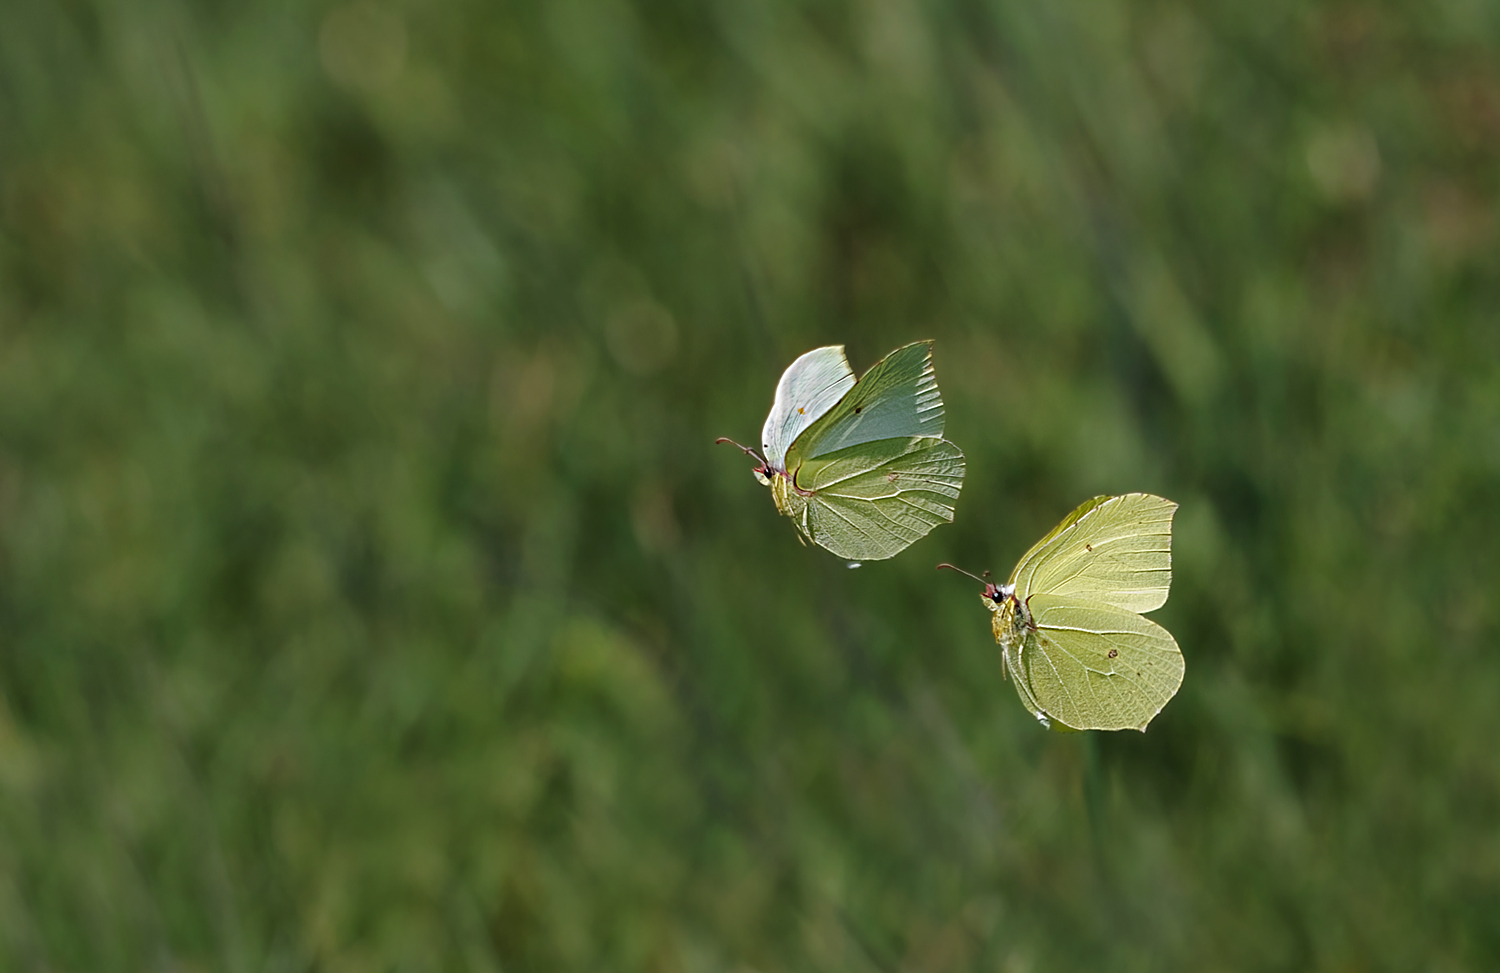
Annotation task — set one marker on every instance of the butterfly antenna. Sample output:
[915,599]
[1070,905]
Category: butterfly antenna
[748,451]
[971,574]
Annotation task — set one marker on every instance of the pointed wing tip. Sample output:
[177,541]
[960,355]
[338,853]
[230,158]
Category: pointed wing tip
[1171,505]
[837,349]
[926,343]
[821,349]
[1147,722]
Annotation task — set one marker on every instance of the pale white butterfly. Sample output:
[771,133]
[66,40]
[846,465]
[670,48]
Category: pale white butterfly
[861,467]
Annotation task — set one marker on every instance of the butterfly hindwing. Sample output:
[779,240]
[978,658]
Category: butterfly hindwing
[1092,666]
[873,501]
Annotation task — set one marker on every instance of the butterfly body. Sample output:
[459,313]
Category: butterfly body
[1012,623]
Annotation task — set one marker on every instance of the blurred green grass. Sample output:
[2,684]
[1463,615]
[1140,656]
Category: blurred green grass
[371,596]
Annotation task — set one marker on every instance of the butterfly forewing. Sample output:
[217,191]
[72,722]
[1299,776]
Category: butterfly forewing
[809,387]
[1113,550]
[1097,667]
[896,399]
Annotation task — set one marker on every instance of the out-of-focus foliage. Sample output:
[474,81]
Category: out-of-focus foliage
[372,596]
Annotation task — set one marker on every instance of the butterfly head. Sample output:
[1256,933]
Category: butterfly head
[996,595]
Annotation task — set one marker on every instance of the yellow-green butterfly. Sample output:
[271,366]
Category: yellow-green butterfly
[862,468]
[1069,619]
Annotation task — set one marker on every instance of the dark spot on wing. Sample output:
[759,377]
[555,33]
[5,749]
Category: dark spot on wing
[858,409]
[1089,548]
[1113,653]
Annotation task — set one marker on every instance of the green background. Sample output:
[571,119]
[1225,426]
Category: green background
[372,596]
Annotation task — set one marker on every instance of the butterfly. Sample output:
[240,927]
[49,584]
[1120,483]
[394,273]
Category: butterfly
[1069,621]
[861,467]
